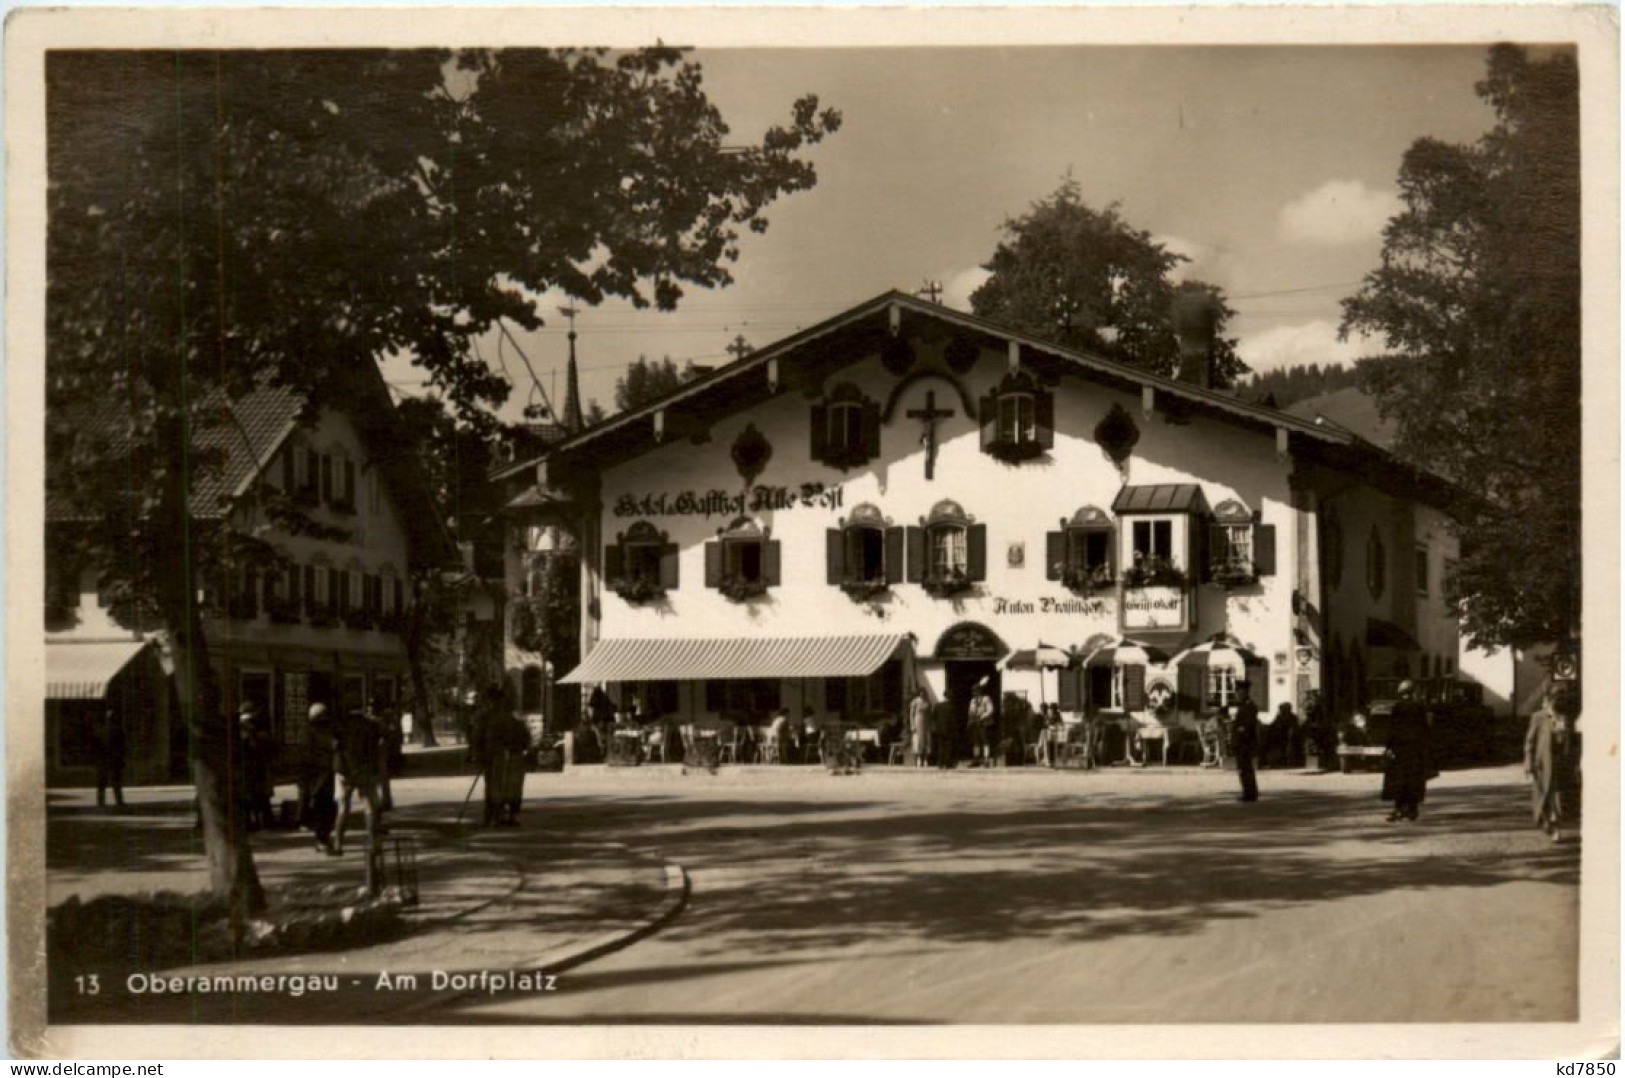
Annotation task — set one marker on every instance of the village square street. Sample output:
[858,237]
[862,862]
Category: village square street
[1026,896]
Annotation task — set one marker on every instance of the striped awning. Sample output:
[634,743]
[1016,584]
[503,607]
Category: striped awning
[752,657]
[82,670]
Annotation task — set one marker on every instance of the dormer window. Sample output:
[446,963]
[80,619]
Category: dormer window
[1018,419]
[947,553]
[742,562]
[1239,548]
[864,555]
[1081,554]
[641,564]
[845,428]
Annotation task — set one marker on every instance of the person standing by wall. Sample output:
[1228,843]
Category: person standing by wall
[254,763]
[1410,761]
[919,728]
[983,726]
[107,737]
[1244,741]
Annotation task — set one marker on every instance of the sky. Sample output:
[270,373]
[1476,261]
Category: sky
[1273,169]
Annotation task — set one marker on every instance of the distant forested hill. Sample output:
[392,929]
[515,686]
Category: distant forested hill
[1292,384]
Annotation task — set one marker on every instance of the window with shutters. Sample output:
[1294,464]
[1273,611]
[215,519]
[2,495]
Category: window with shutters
[1239,548]
[948,552]
[342,499]
[301,472]
[1017,419]
[282,594]
[1376,564]
[642,564]
[864,554]
[845,428]
[742,562]
[1221,685]
[1108,687]
[243,603]
[1080,555]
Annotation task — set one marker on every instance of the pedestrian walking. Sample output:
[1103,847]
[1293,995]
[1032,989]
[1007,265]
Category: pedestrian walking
[1289,741]
[254,766]
[318,806]
[1409,757]
[359,763]
[107,738]
[392,749]
[1551,759]
[1244,741]
[509,741]
[919,728]
[487,743]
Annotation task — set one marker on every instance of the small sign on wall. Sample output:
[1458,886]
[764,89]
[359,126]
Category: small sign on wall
[1016,555]
[1165,608]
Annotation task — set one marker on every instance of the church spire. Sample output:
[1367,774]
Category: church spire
[572,380]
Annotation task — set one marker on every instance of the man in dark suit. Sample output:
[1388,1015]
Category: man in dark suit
[1244,741]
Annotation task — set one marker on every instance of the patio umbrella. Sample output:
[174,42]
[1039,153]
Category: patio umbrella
[1043,657]
[1219,651]
[1121,651]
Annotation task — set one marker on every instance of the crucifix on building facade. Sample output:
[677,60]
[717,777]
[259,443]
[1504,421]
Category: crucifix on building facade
[929,416]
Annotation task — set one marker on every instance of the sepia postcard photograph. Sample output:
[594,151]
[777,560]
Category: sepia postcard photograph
[813,533]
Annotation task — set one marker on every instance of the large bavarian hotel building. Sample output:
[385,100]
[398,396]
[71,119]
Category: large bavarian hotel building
[907,495]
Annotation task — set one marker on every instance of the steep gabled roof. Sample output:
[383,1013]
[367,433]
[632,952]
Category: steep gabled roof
[741,383]
[251,430]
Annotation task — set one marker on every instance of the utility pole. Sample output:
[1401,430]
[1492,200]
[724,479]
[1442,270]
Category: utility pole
[739,348]
[931,290]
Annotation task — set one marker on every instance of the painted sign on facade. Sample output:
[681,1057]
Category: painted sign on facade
[709,503]
[1155,608]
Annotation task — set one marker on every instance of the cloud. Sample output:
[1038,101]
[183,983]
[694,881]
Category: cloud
[1308,342]
[957,286]
[1337,213]
[1208,263]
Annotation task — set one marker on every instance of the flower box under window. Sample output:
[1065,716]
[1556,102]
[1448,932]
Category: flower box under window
[945,583]
[1153,571]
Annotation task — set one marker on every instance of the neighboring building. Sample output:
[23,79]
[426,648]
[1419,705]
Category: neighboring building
[327,628]
[906,495]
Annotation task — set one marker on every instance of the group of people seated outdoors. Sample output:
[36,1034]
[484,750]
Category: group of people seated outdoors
[931,734]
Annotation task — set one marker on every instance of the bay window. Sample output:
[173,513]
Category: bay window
[1239,548]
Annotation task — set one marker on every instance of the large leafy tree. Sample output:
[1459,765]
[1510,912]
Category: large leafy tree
[1086,278]
[1478,301]
[648,379]
[223,221]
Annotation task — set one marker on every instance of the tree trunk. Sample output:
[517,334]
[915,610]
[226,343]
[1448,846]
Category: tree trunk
[420,688]
[213,747]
